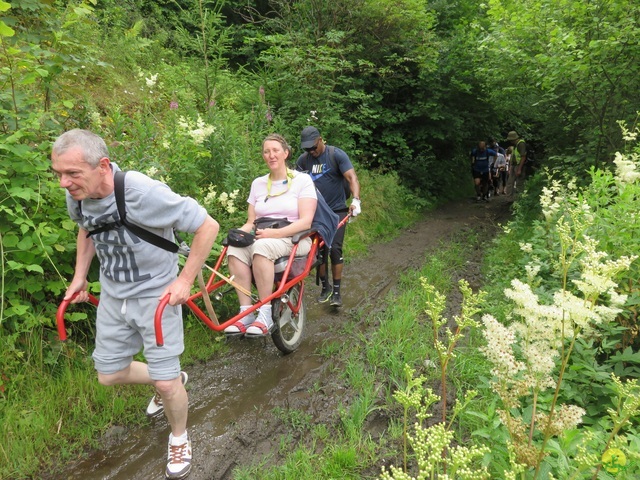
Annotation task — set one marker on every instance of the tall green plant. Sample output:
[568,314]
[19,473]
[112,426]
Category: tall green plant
[577,296]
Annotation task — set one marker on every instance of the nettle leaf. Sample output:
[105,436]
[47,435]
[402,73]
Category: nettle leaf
[34,268]
[69,225]
[21,192]
[25,244]
[6,30]
[17,310]
[14,265]
[10,240]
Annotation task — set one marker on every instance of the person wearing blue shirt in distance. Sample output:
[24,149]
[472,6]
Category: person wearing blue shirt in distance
[480,165]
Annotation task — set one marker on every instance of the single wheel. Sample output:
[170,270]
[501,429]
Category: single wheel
[287,335]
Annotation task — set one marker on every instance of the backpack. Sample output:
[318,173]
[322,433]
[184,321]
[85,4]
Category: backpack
[146,235]
[531,155]
[334,165]
[325,220]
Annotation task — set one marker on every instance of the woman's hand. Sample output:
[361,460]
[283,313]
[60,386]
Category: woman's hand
[269,233]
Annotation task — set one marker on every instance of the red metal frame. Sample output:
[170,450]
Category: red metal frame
[281,288]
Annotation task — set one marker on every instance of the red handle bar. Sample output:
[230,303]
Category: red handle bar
[157,320]
[62,332]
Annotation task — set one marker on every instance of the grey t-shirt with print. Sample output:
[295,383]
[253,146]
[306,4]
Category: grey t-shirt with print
[129,266]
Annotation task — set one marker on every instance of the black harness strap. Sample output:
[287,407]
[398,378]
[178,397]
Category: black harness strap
[145,235]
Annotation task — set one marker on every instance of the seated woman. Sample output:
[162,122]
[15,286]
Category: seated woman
[283,194]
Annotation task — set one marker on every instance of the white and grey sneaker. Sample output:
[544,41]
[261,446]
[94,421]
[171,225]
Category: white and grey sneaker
[178,459]
[155,407]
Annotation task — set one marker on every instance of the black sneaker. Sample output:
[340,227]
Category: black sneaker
[324,296]
[336,300]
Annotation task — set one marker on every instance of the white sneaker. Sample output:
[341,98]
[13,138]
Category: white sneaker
[178,459]
[155,407]
[240,327]
[262,326]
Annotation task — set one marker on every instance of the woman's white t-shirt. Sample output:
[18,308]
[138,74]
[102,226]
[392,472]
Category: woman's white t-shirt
[282,199]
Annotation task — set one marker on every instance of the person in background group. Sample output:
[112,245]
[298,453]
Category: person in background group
[281,194]
[480,166]
[518,160]
[493,145]
[328,167]
[499,174]
[494,178]
[131,290]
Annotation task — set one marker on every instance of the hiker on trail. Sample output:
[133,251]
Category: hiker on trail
[494,179]
[281,204]
[480,166]
[499,174]
[495,146]
[518,160]
[134,276]
[330,167]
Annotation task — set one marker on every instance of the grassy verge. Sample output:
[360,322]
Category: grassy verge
[374,366]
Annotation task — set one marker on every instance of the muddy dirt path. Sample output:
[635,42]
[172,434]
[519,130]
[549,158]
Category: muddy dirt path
[232,398]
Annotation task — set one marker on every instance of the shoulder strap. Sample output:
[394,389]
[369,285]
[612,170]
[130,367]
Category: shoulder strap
[118,190]
[303,162]
[146,235]
[332,158]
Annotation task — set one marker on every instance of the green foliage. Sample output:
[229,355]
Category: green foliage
[561,252]
[568,71]
[186,95]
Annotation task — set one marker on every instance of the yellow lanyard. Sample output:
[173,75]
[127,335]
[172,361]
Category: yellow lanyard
[287,181]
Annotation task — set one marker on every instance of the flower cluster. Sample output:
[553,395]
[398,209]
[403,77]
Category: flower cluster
[626,168]
[199,131]
[565,417]
[226,200]
[151,81]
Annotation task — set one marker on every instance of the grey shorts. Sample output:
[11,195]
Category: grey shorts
[271,248]
[124,327]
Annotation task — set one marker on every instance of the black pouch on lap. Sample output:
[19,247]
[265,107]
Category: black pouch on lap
[239,238]
[270,222]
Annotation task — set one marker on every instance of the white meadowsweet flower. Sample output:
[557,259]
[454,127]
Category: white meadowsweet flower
[499,348]
[532,271]
[151,81]
[626,169]
[184,123]
[526,247]
[96,120]
[628,135]
[202,131]
[211,195]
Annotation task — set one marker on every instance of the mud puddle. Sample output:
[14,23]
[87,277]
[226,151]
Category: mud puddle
[232,398]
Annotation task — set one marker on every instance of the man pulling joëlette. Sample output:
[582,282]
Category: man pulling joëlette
[329,166]
[134,276]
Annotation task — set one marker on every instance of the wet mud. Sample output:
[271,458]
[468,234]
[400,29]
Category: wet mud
[232,397]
